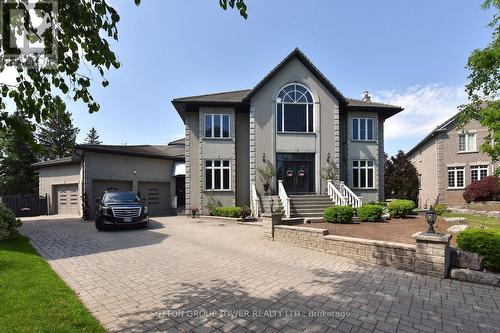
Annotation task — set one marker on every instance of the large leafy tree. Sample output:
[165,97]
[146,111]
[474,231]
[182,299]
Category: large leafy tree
[401,178]
[18,151]
[483,87]
[57,135]
[79,35]
[92,137]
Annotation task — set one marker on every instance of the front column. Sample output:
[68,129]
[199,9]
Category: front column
[433,254]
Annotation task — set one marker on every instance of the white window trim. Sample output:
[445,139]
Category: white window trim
[467,139]
[455,177]
[479,168]
[222,168]
[359,168]
[366,128]
[212,136]
[279,101]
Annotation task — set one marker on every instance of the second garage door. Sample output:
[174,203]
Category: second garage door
[156,196]
[67,199]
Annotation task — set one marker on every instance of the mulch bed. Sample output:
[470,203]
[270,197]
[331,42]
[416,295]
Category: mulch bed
[394,230]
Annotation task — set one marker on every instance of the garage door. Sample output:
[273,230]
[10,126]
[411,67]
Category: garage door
[156,196]
[67,199]
[101,186]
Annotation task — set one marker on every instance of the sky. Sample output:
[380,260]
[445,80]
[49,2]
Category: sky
[411,53]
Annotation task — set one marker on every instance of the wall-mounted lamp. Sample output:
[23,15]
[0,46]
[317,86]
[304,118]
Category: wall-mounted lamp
[328,158]
[135,172]
[264,157]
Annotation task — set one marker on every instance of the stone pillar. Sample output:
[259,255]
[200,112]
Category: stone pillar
[433,254]
[268,222]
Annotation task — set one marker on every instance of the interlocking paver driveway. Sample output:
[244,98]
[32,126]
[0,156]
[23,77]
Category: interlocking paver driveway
[182,275]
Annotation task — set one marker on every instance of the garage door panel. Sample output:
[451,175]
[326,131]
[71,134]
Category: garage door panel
[156,196]
[67,199]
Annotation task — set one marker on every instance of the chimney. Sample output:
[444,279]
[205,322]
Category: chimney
[366,97]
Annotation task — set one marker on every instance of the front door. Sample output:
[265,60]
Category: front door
[297,172]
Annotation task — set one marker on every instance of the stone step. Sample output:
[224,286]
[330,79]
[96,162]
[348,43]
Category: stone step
[305,215]
[307,210]
[311,204]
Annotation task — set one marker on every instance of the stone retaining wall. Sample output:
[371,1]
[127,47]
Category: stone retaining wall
[396,255]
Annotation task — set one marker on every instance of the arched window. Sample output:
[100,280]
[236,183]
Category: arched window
[294,109]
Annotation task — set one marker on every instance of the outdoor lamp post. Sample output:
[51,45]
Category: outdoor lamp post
[430,217]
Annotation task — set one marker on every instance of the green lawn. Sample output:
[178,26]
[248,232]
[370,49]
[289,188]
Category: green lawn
[478,221]
[33,298]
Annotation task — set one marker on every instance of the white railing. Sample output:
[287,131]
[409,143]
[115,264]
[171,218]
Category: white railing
[337,197]
[351,198]
[285,200]
[254,200]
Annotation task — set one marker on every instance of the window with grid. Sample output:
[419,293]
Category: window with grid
[294,109]
[362,128]
[217,175]
[217,126]
[478,172]
[455,177]
[467,142]
[363,174]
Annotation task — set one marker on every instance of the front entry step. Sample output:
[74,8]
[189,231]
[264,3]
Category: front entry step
[309,206]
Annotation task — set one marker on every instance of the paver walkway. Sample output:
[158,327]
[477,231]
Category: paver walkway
[181,275]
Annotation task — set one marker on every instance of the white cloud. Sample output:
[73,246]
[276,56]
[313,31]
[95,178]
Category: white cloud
[8,76]
[425,107]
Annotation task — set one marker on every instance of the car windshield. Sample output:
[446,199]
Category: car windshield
[120,197]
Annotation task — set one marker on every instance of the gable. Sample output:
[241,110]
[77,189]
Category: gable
[294,71]
[294,56]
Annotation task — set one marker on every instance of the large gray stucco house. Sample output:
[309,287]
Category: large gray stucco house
[294,120]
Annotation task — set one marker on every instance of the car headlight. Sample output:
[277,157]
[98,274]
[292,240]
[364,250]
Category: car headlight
[145,209]
[107,211]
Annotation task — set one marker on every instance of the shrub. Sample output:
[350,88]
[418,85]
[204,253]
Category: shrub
[8,223]
[483,242]
[379,203]
[226,211]
[370,213]
[400,208]
[338,214]
[245,212]
[485,189]
[440,209]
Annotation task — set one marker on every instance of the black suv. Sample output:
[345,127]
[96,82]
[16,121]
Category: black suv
[120,208]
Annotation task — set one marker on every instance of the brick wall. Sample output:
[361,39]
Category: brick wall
[396,255]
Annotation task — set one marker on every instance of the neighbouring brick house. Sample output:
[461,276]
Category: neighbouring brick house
[449,159]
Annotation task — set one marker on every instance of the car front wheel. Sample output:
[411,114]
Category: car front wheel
[99,224]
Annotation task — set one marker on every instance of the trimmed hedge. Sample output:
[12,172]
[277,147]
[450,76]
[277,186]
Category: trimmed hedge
[400,207]
[370,213]
[484,242]
[338,214]
[440,209]
[226,211]
[379,203]
[8,223]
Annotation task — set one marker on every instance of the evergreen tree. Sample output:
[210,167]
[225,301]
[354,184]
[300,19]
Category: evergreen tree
[401,178]
[18,150]
[57,135]
[92,137]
